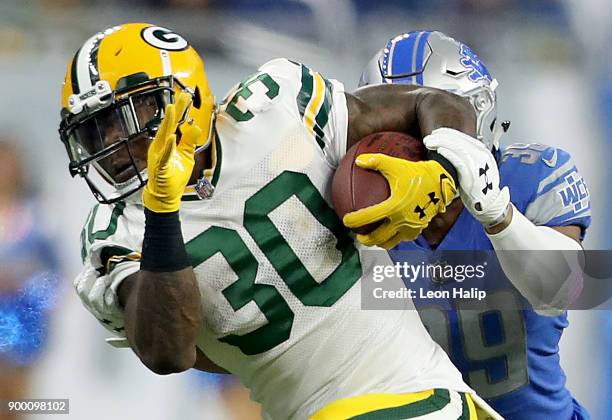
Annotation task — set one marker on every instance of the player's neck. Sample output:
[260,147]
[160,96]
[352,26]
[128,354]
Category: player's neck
[442,223]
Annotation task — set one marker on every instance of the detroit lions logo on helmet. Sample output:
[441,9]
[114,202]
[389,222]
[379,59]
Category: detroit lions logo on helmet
[470,60]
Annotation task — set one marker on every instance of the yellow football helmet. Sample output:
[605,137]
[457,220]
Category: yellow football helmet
[113,99]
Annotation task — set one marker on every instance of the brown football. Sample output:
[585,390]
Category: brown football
[354,188]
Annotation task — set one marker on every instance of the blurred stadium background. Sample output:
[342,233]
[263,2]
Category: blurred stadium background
[550,56]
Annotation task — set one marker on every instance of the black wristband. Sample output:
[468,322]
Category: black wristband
[433,155]
[163,249]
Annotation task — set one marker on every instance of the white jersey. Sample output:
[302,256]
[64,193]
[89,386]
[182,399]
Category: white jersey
[278,272]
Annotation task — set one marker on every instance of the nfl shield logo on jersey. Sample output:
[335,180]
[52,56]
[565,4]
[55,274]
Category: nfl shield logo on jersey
[204,189]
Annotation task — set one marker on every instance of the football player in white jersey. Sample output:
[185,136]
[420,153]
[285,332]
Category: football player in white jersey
[216,246]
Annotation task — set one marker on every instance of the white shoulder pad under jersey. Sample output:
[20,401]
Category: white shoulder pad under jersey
[111,241]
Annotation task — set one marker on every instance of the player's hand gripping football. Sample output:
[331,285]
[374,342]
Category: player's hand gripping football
[419,191]
[169,165]
[478,173]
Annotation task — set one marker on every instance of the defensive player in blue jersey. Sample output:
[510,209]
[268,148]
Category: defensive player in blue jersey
[520,197]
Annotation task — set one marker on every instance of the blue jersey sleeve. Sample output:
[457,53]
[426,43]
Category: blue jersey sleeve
[545,185]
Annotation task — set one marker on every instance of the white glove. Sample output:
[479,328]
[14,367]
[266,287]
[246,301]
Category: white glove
[478,174]
[98,293]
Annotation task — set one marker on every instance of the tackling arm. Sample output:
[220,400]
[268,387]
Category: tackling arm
[545,279]
[411,109]
[547,282]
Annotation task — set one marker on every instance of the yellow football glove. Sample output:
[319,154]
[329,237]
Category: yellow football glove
[169,165]
[419,191]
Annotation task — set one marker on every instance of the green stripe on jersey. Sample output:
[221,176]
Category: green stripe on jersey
[305,94]
[218,157]
[319,134]
[322,117]
[436,402]
[112,224]
[191,197]
[84,241]
[88,238]
[465,412]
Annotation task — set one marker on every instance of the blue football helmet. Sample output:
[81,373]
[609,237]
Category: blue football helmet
[436,60]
